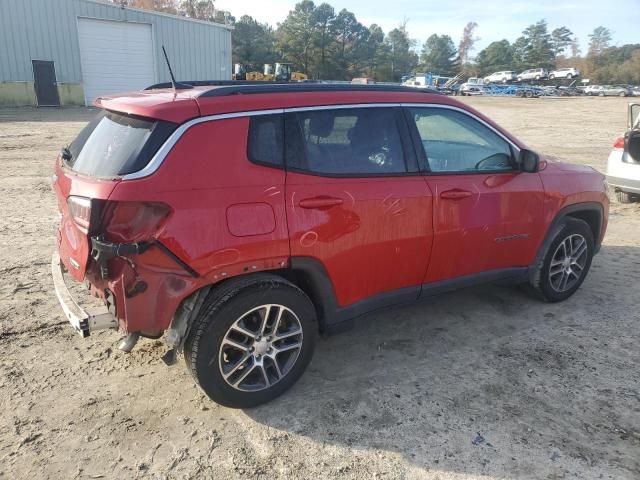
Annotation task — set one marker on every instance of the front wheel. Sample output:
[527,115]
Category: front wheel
[551,77]
[252,340]
[566,261]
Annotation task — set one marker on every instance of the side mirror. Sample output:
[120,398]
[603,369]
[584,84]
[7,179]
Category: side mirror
[528,161]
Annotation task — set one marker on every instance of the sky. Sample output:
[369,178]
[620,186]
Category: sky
[496,19]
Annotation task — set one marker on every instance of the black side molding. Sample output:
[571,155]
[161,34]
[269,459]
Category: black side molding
[334,319]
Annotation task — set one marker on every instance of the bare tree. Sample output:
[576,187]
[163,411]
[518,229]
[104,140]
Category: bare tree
[466,43]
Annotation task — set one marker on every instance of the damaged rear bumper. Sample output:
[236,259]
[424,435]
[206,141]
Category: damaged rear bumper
[83,321]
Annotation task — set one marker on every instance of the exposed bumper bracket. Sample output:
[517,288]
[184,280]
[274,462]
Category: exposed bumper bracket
[83,321]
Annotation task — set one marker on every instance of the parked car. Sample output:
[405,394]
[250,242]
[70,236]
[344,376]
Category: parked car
[468,89]
[241,220]
[533,74]
[592,89]
[613,91]
[569,72]
[500,77]
[623,166]
[363,81]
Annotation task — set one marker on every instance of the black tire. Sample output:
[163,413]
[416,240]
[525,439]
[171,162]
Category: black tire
[221,309]
[622,94]
[541,282]
[551,77]
[624,197]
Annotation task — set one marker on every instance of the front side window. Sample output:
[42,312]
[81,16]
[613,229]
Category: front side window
[455,142]
[350,141]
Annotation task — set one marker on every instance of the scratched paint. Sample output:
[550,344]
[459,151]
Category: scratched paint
[309,239]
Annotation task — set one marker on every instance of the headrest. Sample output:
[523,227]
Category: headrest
[321,124]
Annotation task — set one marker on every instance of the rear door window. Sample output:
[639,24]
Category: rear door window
[265,144]
[114,144]
[350,141]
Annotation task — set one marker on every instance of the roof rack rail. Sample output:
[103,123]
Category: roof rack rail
[225,88]
[274,87]
[187,84]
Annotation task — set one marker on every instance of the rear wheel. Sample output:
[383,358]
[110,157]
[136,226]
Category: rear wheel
[552,76]
[252,340]
[622,94]
[566,261]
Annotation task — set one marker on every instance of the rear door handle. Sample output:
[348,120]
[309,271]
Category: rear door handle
[320,202]
[455,194]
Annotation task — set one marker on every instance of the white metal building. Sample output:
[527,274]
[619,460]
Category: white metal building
[65,52]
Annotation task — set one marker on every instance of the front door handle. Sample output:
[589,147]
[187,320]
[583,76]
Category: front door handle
[455,194]
[320,202]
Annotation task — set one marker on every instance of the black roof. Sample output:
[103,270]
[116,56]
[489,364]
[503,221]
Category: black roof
[222,88]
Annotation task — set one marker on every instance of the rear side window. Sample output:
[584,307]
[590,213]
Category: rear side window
[113,144]
[265,145]
[356,141]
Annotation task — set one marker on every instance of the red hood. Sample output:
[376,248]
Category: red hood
[555,164]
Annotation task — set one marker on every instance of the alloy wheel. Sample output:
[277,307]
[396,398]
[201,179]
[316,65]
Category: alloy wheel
[260,348]
[568,263]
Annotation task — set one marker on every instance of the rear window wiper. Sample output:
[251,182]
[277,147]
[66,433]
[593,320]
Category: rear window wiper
[65,153]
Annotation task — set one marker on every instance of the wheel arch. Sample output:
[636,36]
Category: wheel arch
[306,273]
[590,212]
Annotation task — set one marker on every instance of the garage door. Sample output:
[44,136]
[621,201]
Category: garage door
[115,57]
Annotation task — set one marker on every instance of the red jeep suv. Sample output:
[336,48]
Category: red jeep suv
[239,220]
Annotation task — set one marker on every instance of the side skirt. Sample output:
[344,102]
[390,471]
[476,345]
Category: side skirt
[344,318]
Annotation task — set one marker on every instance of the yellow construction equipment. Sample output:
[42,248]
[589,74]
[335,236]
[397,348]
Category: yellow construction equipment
[281,72]
[284,73]
[239,72]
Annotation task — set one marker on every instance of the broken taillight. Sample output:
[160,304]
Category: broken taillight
[619,144]
[130,222]
[80,211]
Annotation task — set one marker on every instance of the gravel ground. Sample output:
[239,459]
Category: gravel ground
[484,383]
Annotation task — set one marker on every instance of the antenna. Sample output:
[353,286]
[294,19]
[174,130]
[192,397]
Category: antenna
[166,58]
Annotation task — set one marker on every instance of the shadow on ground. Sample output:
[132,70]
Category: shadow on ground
[485,381]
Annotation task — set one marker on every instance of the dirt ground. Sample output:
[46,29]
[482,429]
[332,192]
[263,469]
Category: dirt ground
[485,383]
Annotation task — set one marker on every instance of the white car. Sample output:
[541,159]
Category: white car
[501,77]
[533,74]
[592,89]
[623,167]
[564,73]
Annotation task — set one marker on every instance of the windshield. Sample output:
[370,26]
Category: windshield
[113,144]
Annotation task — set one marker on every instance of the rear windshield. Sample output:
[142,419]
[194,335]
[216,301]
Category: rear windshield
[113,144]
